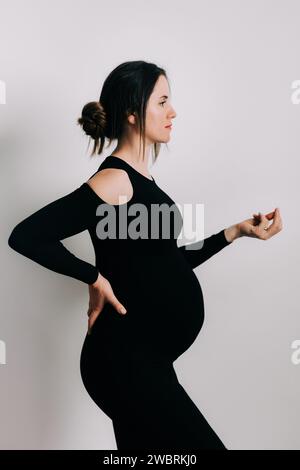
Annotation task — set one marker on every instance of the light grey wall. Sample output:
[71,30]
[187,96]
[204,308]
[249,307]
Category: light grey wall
[234,147]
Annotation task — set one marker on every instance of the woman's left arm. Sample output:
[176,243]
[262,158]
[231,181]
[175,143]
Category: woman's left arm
[196,255]
[256,227]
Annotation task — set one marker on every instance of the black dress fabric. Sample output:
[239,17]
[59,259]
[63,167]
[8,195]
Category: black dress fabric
[126,362]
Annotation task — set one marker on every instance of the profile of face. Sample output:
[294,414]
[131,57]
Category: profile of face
[159,113]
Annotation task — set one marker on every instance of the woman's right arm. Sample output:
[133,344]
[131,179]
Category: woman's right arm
[39,236]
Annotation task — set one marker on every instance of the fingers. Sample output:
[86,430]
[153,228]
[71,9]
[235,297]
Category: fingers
[93,314]
[92,319]
[112,299]
[269,216]
[262,230]
[276,225]
[116,304]
[256,219]
[263,225]
[98,309]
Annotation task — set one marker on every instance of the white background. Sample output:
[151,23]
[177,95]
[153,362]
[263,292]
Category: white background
[234,147]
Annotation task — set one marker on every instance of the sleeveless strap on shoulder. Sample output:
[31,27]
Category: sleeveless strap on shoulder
[114,162]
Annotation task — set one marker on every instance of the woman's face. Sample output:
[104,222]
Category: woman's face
[159,113]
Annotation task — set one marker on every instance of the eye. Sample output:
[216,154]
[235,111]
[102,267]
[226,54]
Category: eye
[163,102]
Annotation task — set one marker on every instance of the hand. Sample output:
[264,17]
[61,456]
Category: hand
[255,227]
[100,293]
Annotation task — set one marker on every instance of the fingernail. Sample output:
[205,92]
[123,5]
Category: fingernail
[123,310]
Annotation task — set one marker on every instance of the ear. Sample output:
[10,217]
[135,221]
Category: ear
[131,118]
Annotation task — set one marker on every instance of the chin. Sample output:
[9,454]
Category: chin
[164,140]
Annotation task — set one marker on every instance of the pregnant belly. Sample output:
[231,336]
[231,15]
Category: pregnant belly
[180,306]
[164,301]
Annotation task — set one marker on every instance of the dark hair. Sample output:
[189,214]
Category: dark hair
[125,91]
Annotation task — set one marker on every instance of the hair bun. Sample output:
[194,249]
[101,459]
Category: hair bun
[93,119]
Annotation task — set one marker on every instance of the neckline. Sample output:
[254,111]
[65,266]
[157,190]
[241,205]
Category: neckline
[132,168]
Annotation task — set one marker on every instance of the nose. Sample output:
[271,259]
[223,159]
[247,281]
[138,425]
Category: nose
[172,114]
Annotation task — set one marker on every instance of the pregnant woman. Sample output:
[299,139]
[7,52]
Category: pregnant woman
[127,358]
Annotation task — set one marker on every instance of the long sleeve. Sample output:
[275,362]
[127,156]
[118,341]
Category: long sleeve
[38,236]
[211,245]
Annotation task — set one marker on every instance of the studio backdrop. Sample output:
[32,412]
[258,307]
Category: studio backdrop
[235,81]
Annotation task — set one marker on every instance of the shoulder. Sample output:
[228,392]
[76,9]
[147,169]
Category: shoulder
[110,184]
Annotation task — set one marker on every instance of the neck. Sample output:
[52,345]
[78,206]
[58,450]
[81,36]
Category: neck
[129,150]
[133,158]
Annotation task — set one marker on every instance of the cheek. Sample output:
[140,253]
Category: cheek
[154,120]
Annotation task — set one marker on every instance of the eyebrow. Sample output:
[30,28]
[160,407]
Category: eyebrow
[164,96]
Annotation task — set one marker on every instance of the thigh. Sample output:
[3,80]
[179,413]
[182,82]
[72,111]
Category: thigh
[159,414]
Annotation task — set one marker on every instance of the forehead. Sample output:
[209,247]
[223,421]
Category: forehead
[161,87]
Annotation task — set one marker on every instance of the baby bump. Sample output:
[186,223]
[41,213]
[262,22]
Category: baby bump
[164,303]
[183,305]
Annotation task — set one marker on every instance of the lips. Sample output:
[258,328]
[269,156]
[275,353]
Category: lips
[170,125]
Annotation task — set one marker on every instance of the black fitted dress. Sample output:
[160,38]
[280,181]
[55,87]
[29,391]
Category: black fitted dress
[126,362]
